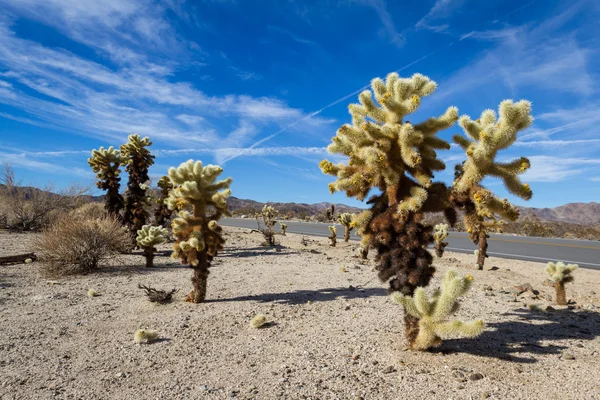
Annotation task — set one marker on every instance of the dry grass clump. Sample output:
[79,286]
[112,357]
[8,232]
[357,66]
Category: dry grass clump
[89,211]
[75,245]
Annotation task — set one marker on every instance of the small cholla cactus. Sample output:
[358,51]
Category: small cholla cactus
[138,159]
[200,202]
[268,215]
[332,237]
[148,237]
[106,164]
[145,336]
[162,213]
[488,135]
[330,213]
[347,221]
[561,274]
[440,232]
[258,321]
[433,313]
[283,227]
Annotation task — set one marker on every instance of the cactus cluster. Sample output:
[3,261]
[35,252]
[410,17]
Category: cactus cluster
[346,219]
[138,159]
[200,201]
[560,273]
[440,232]
[268,215]
[162,214]
[148,237]
[488,135]
[433,313]
[399,159]
[106,164]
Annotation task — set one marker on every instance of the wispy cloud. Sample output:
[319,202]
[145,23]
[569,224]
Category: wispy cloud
[556,169]
[389,28]
[440,11]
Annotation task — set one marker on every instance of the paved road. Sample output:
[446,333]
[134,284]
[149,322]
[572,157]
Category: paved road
[583,252]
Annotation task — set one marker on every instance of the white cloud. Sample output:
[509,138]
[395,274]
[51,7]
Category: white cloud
[389,28]
[556,169]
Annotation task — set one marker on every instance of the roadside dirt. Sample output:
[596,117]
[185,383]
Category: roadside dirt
[333,331]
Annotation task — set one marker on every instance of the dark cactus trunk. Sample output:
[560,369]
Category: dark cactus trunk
[149,254]
[439,248]
[482,253]
[200,278]
[411,326]
[346,233]
[561,295]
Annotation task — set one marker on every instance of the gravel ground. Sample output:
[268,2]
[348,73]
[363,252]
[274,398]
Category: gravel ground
[333,332]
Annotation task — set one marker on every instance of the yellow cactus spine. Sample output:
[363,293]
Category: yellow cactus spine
[560,273]
[138,159]
[147,238]
[347,221]
[106,164]
[432,313]
[486,137]
[200,201]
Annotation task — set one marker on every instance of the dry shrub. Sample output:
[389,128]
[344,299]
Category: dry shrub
[90,211]
[77,245]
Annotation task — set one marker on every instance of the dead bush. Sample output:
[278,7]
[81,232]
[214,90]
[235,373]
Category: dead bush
[74,245]
[90,211]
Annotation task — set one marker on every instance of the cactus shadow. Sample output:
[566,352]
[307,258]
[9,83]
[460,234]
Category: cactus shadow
[256,251]
[303,296]
[532,334]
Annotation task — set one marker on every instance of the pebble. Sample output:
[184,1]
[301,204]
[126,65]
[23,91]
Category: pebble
[568,356]
[476,376]
[389,370]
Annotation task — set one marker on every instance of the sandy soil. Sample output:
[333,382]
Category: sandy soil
[333,334]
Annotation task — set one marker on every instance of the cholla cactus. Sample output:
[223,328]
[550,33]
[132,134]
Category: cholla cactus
[283,227]
[268,215]
[332,237]
[399,159]
[139,159]
[561,274]
[200,202]
[440,232]
[148,237]
[162,213]
[105,163]
[488,136]
[330,213]
[346,219]
[433,313]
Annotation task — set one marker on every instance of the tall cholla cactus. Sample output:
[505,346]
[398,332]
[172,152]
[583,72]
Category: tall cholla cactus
[489,135]
[148,237]
[398,158]
[433,313]
[138,159]
[197,233]
[332,237]
[268,214]
[440,232]
[105,163]
[346,220]
[162,213]
[561,274]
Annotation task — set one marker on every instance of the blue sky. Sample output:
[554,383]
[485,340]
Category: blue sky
[272,80]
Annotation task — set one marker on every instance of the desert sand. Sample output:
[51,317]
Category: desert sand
[332,331]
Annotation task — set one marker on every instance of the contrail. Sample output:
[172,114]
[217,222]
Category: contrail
[333,103]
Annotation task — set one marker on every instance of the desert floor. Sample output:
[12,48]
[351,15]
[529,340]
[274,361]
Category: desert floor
[333,331]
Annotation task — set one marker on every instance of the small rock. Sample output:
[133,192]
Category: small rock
[120,375]
[568,356]
[389,370]
[375,362]
[347,308]
[494,268]
[475,377]
[484,395]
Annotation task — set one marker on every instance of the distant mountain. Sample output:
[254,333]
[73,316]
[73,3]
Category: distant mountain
[577,213]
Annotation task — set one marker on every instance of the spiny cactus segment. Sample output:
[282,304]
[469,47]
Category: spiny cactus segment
[347,221]
[488,135]
[138,159]
[433,313]
[560,273]
[200,201]
[440,232]
[332,237]
[162,213]
[106,164]
[283,227]
[268,215]
[148,237]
